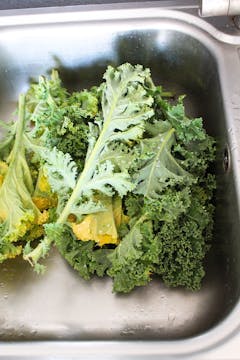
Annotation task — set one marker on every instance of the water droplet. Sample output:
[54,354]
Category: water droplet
[234,147]
[127,332]
[147,327]
[171,317]
[235,99]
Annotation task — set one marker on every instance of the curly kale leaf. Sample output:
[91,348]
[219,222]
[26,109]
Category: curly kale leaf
[61,120]
[173,199]
[17,210]
[8,132]
[169,206]
[74,142]
[158,167]
[84,256]
[121,155]
[104,179]
[170,236]
[125,107]
[53,232]
[17,184]
[72,134]
[124,139]
[187,130]
[183,246]
[132,260]
[125,102]
[43,104]
[60,170]
[136,257]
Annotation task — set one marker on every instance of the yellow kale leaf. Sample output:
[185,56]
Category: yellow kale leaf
[43,197]
[43,184]
[102,226]
[44,203]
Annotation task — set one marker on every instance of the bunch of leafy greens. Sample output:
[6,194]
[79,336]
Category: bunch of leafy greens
[116,177]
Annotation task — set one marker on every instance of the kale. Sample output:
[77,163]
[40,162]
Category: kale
[84,256]
[173,198]
[117,177]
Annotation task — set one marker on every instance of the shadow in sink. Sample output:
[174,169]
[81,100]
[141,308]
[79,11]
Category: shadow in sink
[59,304]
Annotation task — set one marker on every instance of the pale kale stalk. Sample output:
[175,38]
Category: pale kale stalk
[17,210]
[125,107]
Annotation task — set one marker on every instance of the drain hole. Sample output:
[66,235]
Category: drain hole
[226,160]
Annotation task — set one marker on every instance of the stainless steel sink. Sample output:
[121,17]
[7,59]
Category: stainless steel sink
[59,314]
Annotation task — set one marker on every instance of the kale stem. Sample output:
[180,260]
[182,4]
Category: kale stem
[167,94]
[18,144]
[90,165]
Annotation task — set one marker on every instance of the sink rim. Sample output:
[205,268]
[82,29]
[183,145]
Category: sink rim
[120,11]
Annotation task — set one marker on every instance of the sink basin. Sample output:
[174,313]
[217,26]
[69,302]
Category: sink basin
[59,313]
